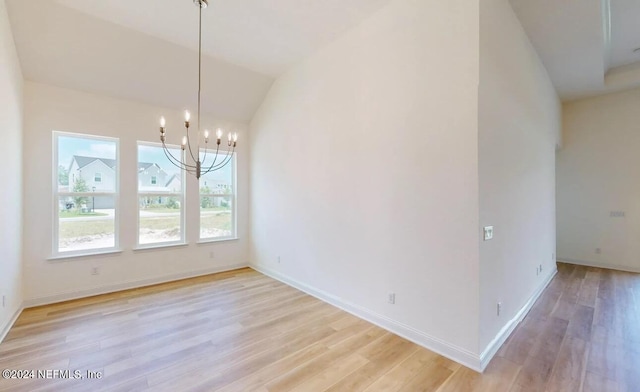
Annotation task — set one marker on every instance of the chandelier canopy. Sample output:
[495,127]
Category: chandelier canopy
[198,166]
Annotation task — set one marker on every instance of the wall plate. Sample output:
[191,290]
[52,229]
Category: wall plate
[488,233]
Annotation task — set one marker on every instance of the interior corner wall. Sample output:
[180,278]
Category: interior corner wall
[598,182]
[11,174]
[48,108]
[364,173]
[519,128]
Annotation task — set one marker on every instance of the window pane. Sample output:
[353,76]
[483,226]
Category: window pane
[86,222]
[86,165]
[218,182]
[160,219]
[216,216]
[156,173]
[160,196]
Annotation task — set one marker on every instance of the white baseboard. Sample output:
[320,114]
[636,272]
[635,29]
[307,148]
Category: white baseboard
[5,330]
[455,353]
[70,295]
[497,342]
[597,264]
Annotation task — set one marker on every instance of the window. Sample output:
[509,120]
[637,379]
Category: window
[218,201]
[97,177]
[85,217]
[160,197]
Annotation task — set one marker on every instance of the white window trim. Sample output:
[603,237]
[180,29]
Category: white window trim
[55,253]
[234,204]
[97,175]
[181,197]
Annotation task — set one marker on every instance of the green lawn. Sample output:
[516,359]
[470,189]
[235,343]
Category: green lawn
[76,213]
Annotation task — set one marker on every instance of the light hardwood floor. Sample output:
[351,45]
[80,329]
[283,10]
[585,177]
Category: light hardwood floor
[242,331]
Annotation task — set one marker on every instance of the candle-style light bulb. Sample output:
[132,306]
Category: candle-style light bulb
[162,122]
[219,133]
[184,142]
[206,134]
[187,115]
[235,137]
[229,136]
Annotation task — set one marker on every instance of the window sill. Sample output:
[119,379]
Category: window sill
[63,257]
[212,240]
[143,248]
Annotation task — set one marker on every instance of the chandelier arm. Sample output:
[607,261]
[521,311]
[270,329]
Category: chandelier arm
[204,158]
[221,164]
[189,145]
[213,165]
[214,159]
[175,161]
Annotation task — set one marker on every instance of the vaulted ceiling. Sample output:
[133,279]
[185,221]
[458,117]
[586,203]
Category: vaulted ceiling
[145,50]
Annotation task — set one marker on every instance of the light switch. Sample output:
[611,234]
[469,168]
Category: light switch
[488,233]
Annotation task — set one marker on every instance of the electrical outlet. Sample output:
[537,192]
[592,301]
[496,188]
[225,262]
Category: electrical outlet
[278,259]
[598,251]
[391,298]
[488,233]
[616,214]
[95,271]
[211,255]
[499,308]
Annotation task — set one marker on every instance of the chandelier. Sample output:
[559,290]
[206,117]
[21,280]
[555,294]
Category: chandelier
[199,167]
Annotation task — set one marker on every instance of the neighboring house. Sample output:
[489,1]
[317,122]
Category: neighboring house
[217,187]
[99,175]
[174,184]
[151,178]
[96,172]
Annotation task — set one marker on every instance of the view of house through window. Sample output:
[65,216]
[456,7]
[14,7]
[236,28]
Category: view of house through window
[217,201]
[160,196]
[86,175]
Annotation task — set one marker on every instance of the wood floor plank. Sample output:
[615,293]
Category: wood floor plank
[568,370]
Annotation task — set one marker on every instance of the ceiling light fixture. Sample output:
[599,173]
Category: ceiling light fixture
[199,167]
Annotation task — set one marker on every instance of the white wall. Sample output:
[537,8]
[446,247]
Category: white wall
[11,174]
[597,174]
[49,108]
[519,127]
[364,172]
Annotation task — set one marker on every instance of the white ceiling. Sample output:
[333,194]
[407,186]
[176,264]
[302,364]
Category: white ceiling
[145,50]
[586,45]
[266,36]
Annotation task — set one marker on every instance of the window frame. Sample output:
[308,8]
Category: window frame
[181,197]
[97,177]
[57,195]
[234,203]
